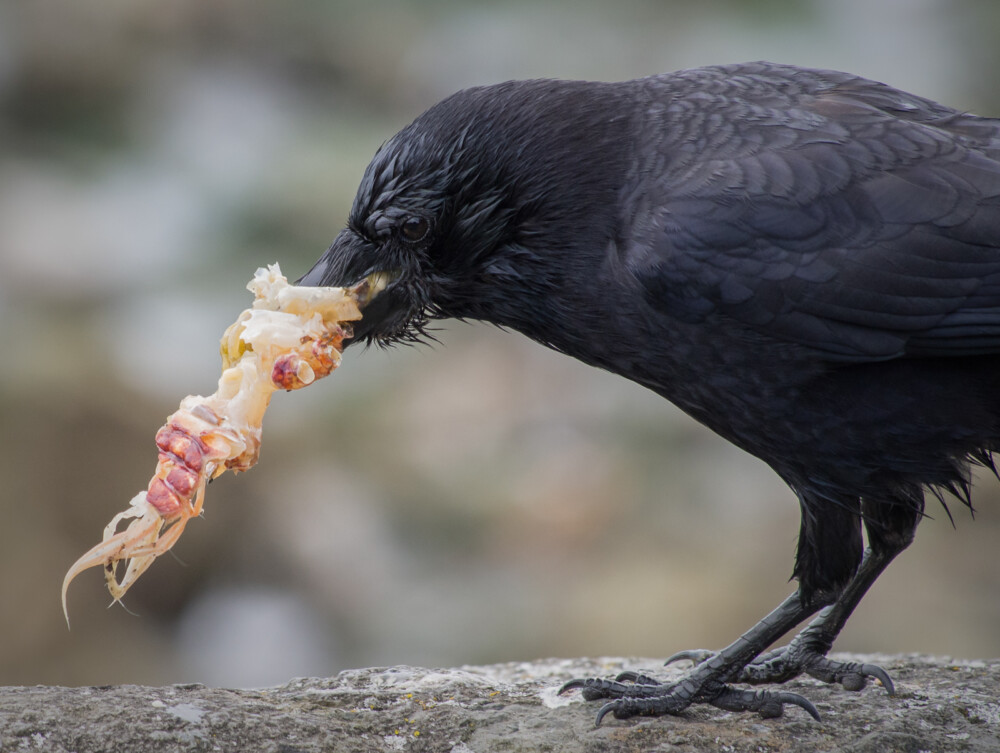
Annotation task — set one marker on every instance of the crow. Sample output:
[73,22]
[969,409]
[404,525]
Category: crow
[805,261]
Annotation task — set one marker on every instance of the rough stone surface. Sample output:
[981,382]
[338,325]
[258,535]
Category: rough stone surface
[941,705]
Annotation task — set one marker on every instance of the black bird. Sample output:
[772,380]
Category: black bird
[805,261]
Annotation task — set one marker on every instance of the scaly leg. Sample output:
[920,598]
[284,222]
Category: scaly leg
[806,653]
[708,682]
[891,527]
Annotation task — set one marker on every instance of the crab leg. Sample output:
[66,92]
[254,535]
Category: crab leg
[291,337]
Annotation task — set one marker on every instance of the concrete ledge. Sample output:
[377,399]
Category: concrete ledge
[942,705]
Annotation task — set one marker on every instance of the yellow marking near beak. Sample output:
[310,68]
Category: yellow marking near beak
[374,284]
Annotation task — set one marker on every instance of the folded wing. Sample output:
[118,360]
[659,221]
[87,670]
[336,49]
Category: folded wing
[853,220]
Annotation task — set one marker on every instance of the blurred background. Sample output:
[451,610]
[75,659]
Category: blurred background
[483,500]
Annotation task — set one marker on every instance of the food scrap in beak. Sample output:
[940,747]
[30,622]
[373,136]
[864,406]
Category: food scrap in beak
[289,338]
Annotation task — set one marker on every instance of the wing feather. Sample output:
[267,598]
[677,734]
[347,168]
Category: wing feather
[841,215]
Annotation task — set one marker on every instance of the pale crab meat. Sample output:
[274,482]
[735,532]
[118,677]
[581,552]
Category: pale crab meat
[289,338]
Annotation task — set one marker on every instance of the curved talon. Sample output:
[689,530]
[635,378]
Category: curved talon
[628,706]
[647,696]
[781,665]
[873,670]
[850,675]
[695,655]
[769,704]
[637,677]
[594,688]
[606,709]
[801,701]
[572,685]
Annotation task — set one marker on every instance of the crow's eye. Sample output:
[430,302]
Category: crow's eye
[415,228]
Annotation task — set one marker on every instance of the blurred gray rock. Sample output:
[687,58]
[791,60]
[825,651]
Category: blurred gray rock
[941,706]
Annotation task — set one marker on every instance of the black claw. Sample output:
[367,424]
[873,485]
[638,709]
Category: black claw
[769,704]
[695,655]
[781,665]
[636,677]
[873,670]
[594,688]
[800,701]
[606,709]
[632,693]
[572,685]
[850,675]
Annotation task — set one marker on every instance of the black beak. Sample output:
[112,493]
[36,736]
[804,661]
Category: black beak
[348,262]
[315,277]
[341,265]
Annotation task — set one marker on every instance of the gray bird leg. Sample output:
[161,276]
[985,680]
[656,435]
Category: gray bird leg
[807,651]
[707,682]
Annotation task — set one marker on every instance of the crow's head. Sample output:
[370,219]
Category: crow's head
[464,212]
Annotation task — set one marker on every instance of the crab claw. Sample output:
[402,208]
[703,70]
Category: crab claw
[115,547]
[140,543]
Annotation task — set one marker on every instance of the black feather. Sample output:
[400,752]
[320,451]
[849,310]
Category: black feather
[806,261]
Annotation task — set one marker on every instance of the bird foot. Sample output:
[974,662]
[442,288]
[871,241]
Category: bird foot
[788,662]
[634,694]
